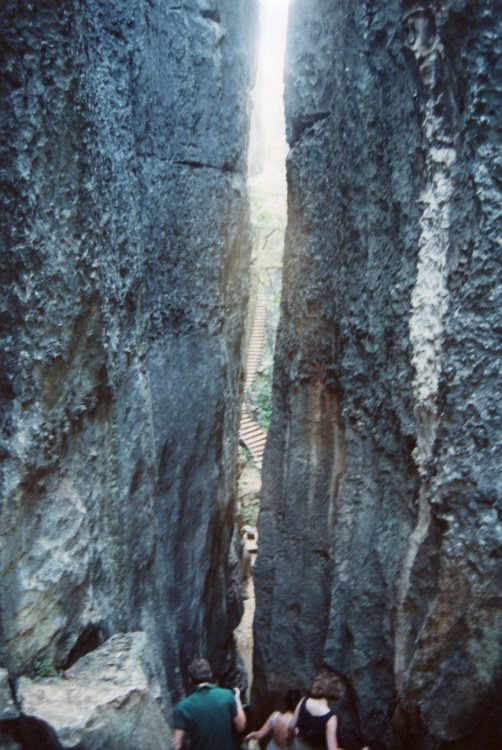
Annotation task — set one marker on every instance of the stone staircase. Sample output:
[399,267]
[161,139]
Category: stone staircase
[251,434]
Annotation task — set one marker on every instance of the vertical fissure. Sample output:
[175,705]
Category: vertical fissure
[267,191]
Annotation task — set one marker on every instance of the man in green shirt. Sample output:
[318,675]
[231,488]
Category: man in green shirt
[210,714]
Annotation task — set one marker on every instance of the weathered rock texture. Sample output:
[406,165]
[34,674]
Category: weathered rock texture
[8,708]
[380,527]
[124,281]
[109,699]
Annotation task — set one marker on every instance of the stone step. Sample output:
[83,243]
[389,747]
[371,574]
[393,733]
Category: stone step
[250,433]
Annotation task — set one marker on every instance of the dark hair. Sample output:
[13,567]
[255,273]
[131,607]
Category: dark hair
[199,670]
[291,699]
[326,685]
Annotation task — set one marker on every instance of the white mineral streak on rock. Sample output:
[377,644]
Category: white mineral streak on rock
[109,698]
[314,400]
[338,473]
[429,302]
[416,539]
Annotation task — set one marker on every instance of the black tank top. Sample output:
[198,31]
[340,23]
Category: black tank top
[313,728]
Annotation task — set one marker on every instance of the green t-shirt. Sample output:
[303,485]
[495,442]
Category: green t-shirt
[206,717]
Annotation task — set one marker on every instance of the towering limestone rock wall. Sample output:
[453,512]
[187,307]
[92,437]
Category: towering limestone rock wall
[380,528]
[124,281]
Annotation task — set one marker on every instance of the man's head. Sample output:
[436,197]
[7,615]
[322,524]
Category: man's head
[199,671]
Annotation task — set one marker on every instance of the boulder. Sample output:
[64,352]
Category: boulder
[109,700]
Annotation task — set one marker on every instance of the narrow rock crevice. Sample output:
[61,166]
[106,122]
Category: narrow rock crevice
[91,637]
[225,168]
[211,15]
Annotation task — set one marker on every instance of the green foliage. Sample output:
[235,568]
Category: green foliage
[43,669]
[249,514]
[268,216]
[261,395]
[247,454]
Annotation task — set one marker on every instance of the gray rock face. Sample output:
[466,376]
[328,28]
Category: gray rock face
[380,527]
[124,281]
[108,699]
[8,708]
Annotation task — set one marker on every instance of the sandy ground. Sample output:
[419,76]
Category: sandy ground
[249,497]
[244,632]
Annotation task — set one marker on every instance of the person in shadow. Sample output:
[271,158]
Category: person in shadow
[277,724]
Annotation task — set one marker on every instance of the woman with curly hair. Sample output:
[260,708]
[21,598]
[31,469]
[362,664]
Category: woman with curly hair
[315,723]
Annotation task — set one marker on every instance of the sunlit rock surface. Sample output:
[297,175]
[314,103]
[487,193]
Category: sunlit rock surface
[380,531]
[108,699]
[124,281]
